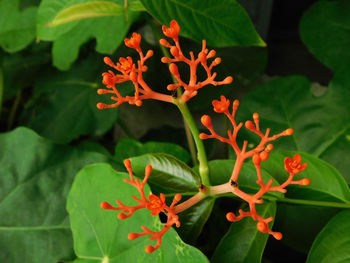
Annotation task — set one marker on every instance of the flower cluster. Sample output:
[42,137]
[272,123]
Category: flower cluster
[258,154]
[154,203]
[130,71]
[202,58]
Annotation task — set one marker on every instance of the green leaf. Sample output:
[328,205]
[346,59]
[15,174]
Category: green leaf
[70,36]
[243,242]
[300,224]
[99,236]
[220,172]
[193,220]
[35,177]
[127,148]
[86,10]
[318,122]
[169,174]
[325,30]
[17,28]
[326,182]
[207,20]
[333,242]
[66,104]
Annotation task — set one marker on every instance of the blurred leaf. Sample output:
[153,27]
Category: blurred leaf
[63,106]
[333,242]
[318,122]
[86,10]
[17,28]
[325,30]
[236,62]
[300,224]
[23,69]
[168,173]
[327,184]
[127,148]
[35,177]
[98,235]
[69,37]
[207,20]
[193,220]
[220,172]
[243,242]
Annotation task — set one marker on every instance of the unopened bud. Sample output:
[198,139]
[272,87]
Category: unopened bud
[256,159]
[230,217]
[127,163]
[108,61]
[138,103]
[101,106]
[173,69]
[165,60]
[217,61]
[255,116]
[211,54]
[277,235]
[249,125]
[289,131]
[148,170]
[105,205]
[269,147]
[133,236]
[206,121]
[177,197]
[149,249]
[305,181]
[133,76]
[235,104]
[165,43]
[174,51]
[227,80]
[261,226]
[122,216]
[264,155]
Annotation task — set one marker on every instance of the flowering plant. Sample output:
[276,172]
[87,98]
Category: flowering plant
[133,73]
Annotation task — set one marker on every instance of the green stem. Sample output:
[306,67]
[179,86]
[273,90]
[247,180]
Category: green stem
[201,155]
[14,110]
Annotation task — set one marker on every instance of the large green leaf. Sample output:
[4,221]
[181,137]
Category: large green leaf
[318,122]
[70,36]
[17,28]
[169,174]
[325,30]
[200,19]
[35,177]
[100,237]
[243,243]
[63,106]
[298,222]
[127,148]
[327,184]
[194,219]
[333,242]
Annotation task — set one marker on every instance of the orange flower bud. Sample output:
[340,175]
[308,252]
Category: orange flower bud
[122,216]
[256,159]
[262,227]
[230,217]
[277,235]
[227,80]
[177,197]
[211,54]
[149,249]
[105,205]
[217,61]
[269,148]
[305,181]
[255,116]
[165,60]
[108,61]
[101,106]
[264,155]
[202,57]
[250,125]
[173,69]
[165,43]
[289,131]
[138,103]
[174,51]
[133,236]
[127,164]
[206,121]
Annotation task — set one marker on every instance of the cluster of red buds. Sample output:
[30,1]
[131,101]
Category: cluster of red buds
[154,203]
[129,71]
[258,154]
